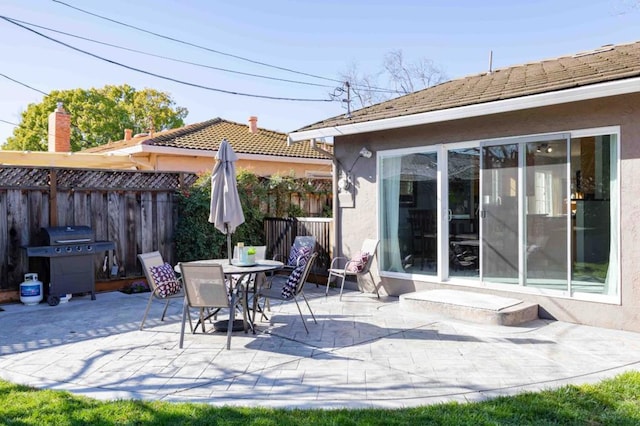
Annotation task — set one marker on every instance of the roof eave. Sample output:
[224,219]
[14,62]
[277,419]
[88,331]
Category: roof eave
[594,91]
[190,152]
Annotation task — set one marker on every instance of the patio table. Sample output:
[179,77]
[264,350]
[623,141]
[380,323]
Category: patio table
[237,274]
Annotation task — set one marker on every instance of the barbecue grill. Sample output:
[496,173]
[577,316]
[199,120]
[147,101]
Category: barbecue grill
[71,253]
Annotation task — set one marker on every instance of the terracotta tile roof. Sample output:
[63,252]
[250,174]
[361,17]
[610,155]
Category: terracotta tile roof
[208,135]
[605,64]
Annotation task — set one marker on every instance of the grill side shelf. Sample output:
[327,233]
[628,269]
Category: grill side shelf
[104,245]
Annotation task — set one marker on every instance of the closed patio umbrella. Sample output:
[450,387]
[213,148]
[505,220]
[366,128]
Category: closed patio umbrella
[226,211]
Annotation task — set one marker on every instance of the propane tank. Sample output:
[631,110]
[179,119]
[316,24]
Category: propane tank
[31,289]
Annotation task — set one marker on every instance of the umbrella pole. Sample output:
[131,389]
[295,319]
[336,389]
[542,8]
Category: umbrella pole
[229,252]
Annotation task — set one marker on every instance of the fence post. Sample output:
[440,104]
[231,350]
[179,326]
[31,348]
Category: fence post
[53,197]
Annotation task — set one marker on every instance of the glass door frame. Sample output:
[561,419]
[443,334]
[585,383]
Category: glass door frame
[443,214]
[521,142]
[436,149]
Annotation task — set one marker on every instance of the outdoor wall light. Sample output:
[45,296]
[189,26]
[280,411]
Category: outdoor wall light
[345,183]
[364,152]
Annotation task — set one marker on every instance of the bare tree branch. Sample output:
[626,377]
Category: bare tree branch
[400,78]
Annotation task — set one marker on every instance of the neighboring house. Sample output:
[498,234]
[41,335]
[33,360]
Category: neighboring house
[193,148]
[520,182]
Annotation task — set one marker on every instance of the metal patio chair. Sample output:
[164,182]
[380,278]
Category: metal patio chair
[206,289]
[150,262]
[307,241]
[356,266]
[273,289]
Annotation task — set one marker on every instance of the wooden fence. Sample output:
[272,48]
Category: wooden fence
[137,210]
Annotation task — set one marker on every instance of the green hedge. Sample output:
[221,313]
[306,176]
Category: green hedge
[196,238]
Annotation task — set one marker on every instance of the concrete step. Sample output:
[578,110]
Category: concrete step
[470,306]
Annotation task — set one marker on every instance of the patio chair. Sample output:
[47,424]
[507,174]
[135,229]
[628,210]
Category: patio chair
[358,265]
[303,246]
[280,287]
[206,289]
[163,283]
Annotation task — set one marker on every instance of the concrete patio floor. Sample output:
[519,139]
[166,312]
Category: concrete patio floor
[363,353]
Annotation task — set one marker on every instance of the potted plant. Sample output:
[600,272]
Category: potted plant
[251,255]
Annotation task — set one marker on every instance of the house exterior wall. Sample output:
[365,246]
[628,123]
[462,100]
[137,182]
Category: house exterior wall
[198,164]
[360,222]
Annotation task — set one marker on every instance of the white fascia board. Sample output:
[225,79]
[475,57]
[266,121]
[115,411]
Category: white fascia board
[165,150]
[594,91]
[151,149]
[296,160]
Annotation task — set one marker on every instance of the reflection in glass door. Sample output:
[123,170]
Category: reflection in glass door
[499,214]
[421,170]
[546,215]
[463,168]
[408,221]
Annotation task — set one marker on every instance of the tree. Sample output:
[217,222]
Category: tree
[97,116]
[400,78]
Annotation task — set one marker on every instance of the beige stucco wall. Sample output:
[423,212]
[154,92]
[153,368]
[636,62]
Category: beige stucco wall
[360,222]
[198,164]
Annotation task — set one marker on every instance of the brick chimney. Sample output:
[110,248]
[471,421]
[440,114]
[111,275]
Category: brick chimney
[253,124]
[127,134]
[59,130]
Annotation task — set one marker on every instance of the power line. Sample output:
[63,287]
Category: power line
[8,122]
[196,45]
[23,84]
[371,88]
[168,58]
[175,80]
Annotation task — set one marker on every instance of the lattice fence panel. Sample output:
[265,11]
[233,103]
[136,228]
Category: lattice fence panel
[24,177]
[121,180]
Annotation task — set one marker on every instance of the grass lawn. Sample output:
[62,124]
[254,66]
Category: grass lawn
[611,402]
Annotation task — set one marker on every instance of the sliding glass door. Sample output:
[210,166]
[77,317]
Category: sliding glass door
[546,217]
[537,212]
[409,220]
[499,213]
[463,171]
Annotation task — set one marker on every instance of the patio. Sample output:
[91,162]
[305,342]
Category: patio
[363,352]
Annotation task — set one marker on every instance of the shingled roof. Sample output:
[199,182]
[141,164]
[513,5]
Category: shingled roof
[207,135]
[606,64]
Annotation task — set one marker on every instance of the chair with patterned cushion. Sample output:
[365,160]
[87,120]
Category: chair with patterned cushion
[162,280]
[302,248]
[284,288]
[358,265]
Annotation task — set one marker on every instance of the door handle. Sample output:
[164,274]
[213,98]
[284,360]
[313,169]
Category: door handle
[450,215]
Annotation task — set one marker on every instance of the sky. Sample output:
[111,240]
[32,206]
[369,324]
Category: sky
[321,38]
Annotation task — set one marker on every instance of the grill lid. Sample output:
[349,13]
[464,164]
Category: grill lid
[59,235]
